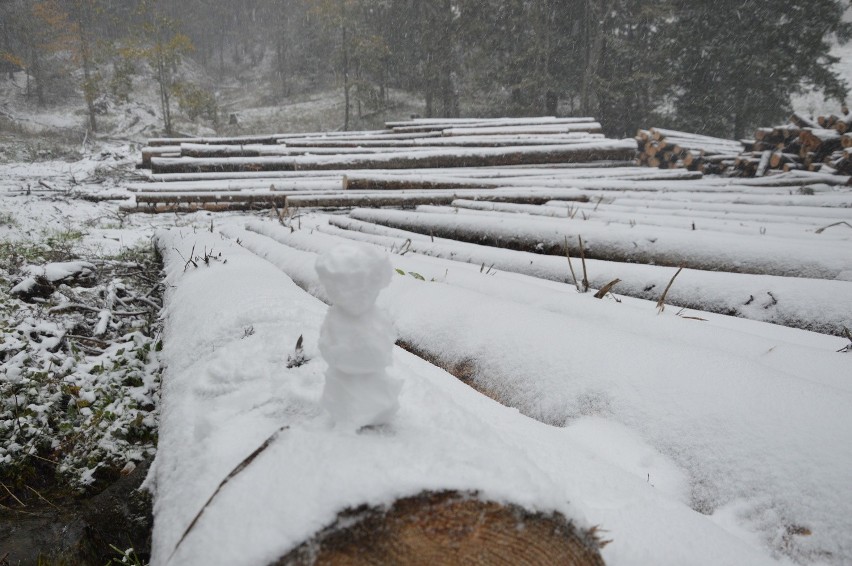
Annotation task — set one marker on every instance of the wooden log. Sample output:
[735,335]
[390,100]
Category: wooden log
[157,202]
[589,127]
[478,157]
[641,281]
[236,140]
[763,164]
[223,197]
[441,125]
[460,141]
[256,150]
[662,133]
[803,121]
[426,514]
[779,158]
[660,246]
[447,528]
[150,152]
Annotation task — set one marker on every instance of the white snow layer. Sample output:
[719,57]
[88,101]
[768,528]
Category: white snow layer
[756,417]
[229,328]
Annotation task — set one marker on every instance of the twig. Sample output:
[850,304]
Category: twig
[44,184]
[40,496]
[821,230]
[606,288]
[86,308]
[146,301]
[661,306]
[12,495]
[94,341]
[240,467]
[188,261]
[583,258]
[571,266]
[72,307]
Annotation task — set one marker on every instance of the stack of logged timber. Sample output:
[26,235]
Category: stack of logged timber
[406,164]
[670,149]
[821,145]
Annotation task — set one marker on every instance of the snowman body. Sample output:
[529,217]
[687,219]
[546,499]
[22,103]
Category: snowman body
[357,338]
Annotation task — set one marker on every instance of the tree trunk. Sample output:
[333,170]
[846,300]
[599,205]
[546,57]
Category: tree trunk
[89,87]
[345,48]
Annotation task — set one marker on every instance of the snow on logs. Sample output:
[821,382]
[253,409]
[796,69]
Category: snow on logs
[247,453]
[811,304]
[468,323]
[433,158]
[657,245]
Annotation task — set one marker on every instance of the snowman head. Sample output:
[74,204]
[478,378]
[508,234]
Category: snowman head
[353,276]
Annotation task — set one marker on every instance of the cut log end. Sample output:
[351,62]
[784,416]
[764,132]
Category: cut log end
[448,528]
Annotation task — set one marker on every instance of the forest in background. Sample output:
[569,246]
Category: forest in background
[720,68]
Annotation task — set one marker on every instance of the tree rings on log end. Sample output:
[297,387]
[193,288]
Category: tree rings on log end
[447,527]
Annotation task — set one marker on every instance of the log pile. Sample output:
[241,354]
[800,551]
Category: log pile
[671,149]
[820,145]
[312,169]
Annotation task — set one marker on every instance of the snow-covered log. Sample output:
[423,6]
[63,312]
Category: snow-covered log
[258,150]
[672,380]
[485,122]
[589,127]
[460,141]
[811,210]
[470,157]
[660,246]
[556,178]
[594,213]
[158,202]
[250,471]
[158,151]
[811,304]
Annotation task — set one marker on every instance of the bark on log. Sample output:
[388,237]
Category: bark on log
[258,150]
[447,528]
[161,202]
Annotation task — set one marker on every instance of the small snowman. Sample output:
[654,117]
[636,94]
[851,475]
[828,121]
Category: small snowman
[357,338]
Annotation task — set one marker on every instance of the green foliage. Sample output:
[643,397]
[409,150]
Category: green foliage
[121,83]
[195,101]
[737,66]
[51,246]
[73,407]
